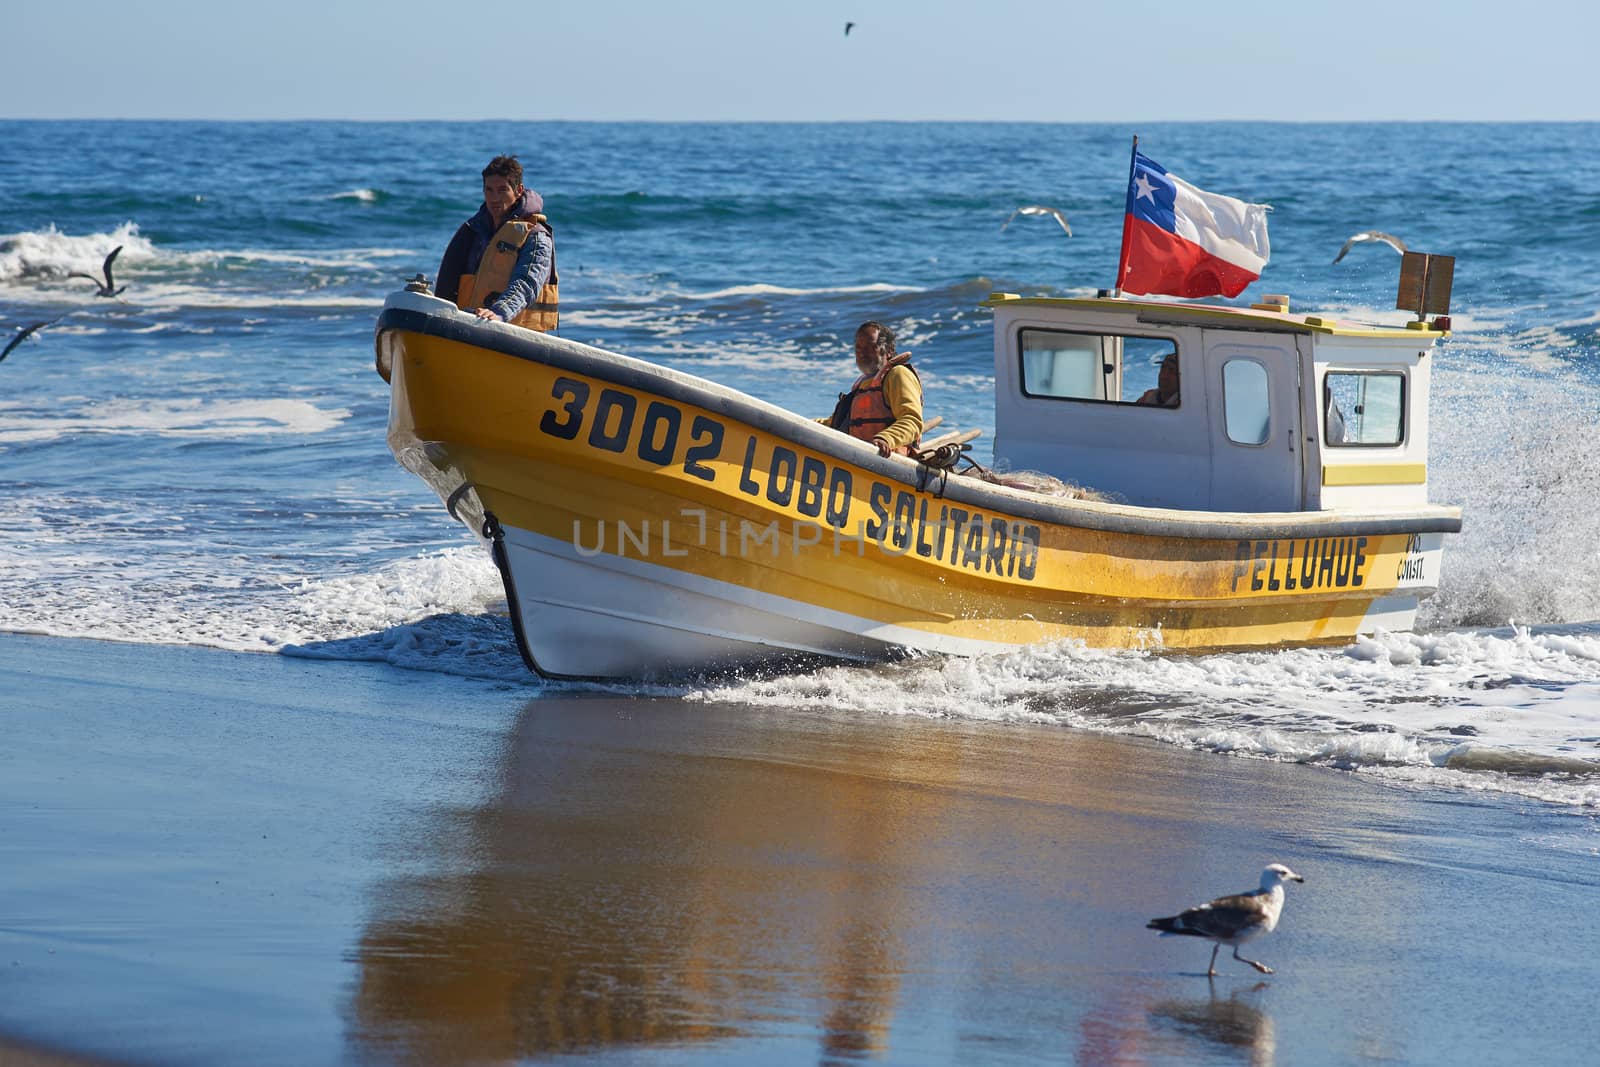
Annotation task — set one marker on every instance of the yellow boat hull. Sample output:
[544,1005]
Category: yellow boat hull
[646,521]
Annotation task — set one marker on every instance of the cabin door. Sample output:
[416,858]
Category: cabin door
[1254,406]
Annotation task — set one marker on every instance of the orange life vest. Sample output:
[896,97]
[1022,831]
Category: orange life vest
[494,274]
[865,408]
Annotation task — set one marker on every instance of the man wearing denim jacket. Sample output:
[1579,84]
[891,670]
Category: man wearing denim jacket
[528,295]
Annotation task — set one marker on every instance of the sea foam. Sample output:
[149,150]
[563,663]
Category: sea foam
[1422,702]
[227,419]
[49,254]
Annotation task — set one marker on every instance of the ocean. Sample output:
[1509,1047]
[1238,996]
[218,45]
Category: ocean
[201,461]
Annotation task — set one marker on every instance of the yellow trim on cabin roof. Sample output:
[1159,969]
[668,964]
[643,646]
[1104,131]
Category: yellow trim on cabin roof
[1375,474]
[1210,314]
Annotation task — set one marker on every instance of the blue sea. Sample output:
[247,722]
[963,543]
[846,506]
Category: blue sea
[201,461]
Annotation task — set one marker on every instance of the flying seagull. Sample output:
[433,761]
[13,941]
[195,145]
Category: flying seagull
[1233,920]
[848,27]
[1039,209]
[27,332]
[108,286]
[1371,235]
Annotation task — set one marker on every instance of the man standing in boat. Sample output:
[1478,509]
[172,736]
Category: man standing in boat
[501,264]
[884,406]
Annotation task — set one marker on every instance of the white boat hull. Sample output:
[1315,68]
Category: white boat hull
[607,616]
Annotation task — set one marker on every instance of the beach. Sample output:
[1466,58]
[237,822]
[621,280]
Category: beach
[216,857]
[277,788]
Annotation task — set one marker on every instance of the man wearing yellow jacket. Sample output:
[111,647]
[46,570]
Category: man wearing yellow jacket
[884,406]
[501,263]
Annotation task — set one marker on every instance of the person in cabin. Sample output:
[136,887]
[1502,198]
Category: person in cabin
[884,406]
[1165,394]
[501,263]
[1334,417]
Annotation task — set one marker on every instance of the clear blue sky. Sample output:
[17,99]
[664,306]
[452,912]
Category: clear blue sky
[1060,61]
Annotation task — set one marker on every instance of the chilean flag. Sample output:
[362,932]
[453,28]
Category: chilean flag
[1181,241]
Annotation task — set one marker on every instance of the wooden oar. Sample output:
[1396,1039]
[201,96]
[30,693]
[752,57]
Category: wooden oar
[956,436]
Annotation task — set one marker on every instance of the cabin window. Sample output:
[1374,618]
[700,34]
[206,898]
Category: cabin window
[1119,368]
[1063,365]
[1363,408]
[1246,411]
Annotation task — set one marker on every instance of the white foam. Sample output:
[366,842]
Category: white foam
[762,356]
[34,266]
[1510,449]
[1442,708]
[164,327]
[427,611]
[170,418]
[651,320]
[51,254]
[1542,348]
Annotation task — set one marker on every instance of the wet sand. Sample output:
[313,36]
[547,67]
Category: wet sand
[215,858]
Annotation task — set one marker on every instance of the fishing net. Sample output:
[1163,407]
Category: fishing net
[949,455]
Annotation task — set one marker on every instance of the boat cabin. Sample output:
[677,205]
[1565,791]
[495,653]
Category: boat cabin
[1213,408]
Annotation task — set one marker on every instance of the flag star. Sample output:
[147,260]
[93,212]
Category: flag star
[1142,183]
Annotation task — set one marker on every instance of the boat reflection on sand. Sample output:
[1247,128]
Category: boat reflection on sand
[603,902]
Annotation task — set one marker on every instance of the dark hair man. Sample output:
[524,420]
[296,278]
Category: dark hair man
[501,263]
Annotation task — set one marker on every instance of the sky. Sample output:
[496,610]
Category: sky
[764,60]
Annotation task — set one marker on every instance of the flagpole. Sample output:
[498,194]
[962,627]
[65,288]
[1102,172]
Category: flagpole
[1122,261]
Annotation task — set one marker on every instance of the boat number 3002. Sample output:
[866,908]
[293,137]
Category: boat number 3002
[900,521]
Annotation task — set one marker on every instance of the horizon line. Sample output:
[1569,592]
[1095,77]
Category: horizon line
[833,122]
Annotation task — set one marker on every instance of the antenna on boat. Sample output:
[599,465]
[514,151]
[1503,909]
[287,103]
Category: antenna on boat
[1425,282]
[1122,260]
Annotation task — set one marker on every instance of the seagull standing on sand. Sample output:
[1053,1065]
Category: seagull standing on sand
[108,285]
[1233,920]
[1039,209]
[27,332]
[1371,235]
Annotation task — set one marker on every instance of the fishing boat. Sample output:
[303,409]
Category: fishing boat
[646,521]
